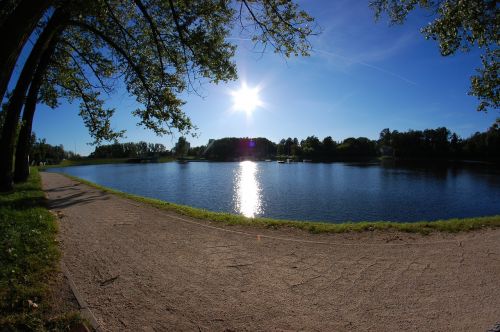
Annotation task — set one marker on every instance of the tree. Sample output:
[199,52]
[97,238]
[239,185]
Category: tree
[14,106]
[455,145]
[161,48]
[233,148]
[296,150]
[18,19]
[181,147]
[329,147]
[288,146]
[281,148]
[360,147]
[459,26]
[21,171]
[46,153]
[60,63]
[385,137]
[197,151]
[311,147]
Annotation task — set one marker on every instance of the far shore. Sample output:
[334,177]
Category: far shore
[389,161]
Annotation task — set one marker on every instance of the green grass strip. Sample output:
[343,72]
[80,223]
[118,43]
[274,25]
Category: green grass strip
[423,227]
[98,161]
[28,260]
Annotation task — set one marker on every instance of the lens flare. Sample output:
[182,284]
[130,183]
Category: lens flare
[248,198]
[246,99]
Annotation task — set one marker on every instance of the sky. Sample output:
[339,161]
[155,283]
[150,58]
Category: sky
[362,76]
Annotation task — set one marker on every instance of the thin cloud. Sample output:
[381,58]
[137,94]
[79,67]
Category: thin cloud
[239,39]
[341,101]
[365,64]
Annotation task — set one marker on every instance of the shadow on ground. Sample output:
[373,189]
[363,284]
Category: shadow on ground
[76,199]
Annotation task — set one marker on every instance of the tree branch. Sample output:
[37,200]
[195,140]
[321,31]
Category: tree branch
[89,64]
[154,33]
[118,23]
[118,49]
[183,41]
[80,69]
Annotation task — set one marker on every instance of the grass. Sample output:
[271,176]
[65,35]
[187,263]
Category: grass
[82,162]
[423,227]
[99,161]
[28,260]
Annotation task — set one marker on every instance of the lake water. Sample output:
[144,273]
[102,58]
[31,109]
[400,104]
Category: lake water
[307,191]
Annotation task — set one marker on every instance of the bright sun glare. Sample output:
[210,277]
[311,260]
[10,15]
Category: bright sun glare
[246,99]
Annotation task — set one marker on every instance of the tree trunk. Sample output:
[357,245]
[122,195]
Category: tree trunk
[11,121]
[21,166]
[14,32]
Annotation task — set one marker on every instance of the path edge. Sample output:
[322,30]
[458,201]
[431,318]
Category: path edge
[84,308]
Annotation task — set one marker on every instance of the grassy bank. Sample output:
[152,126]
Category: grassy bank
[423,227]
[28,260]
[99,161]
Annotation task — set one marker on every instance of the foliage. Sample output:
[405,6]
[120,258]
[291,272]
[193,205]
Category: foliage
[485,85]
[197,151]
[181,147]
[440,143]
[311,147]
[459,26]
[327,149]
[289,147]
[42,152]
[357,147]
[159,49]
[79,70]
[232,148]
[482,145]
[423,227]
[412,144]
[129,150]
[28,258]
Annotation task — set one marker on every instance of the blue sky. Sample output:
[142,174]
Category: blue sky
[362,76]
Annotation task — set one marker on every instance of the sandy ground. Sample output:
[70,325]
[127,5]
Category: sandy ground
[143,269]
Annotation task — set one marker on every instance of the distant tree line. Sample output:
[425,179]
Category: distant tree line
[327,149]
[43,153]
[130,150]
[232,148]
[441,143]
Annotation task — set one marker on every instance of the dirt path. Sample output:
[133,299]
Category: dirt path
[143,269]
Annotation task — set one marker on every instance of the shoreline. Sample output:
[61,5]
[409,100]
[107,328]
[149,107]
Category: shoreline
[397,161]
[423,227]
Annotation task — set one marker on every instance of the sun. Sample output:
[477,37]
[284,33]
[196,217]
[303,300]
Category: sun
[246,99]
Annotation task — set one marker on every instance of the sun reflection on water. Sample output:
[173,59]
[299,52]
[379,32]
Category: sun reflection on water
[247,190]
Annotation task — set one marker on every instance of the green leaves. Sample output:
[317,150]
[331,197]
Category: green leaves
[97,118]
[458,26]
[485,85]
[161,49]
[278,23]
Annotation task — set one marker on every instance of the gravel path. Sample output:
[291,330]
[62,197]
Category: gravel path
[143,269]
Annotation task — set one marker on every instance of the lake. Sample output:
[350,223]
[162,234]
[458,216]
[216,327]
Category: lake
[335,192]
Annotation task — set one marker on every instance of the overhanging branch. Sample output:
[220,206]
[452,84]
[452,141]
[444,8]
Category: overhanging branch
[118,49]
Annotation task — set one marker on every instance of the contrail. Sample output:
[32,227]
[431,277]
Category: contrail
[239,39]
[367,65]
